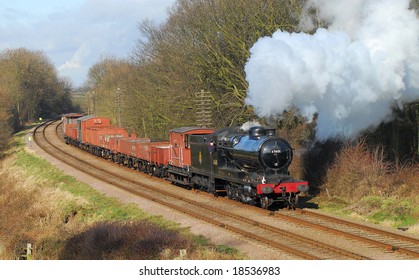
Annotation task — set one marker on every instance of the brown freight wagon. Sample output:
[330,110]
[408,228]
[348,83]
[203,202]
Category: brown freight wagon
[86,122]
[160,154]
[129,146]
[69,125]
[127,149]
[151,155]
[71,133]
[94,135]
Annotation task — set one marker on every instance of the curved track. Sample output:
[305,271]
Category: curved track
[265,229]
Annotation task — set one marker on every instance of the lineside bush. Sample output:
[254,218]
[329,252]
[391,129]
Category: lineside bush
[358,172]
[362,179]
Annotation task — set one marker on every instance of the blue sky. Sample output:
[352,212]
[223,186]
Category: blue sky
[75,34]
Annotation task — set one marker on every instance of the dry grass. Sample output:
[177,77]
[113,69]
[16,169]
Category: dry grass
[28,210]
[65,219]
[358,172]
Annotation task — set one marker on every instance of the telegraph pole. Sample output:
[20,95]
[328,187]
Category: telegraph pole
[118,105]
[203,109]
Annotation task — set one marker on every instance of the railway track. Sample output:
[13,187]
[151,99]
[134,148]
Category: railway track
[389,241]
[290,243]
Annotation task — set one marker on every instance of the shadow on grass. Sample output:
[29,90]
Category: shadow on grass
[124,241]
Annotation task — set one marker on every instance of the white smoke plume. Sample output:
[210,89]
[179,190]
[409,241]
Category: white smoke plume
[247,125]
[350,74]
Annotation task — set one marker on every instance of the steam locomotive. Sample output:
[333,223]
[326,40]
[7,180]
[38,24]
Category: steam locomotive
[247,166]
[250,167]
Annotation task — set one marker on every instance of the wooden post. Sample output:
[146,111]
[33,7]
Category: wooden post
[28,250]
[417,127]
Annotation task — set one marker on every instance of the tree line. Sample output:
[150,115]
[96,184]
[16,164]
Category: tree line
[203,46]
[29,89]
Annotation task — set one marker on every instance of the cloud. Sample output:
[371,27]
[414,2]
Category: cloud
[75,62]
[75,36]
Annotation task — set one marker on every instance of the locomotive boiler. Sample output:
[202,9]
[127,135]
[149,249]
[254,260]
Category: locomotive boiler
[258,151]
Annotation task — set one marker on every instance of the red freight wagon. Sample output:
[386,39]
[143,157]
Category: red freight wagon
[127,151]
[70,118]
[179,140]
[69,122]
[129,146]
[159,158]
[94,135]
[71,132]
[160,154]
[144,150]
[110,142]
[153,157]
[89,121]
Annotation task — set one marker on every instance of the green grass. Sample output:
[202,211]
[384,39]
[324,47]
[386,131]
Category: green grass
[400,212]
[389,210]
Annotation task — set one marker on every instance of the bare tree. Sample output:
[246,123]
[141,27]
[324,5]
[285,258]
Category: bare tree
[31,87]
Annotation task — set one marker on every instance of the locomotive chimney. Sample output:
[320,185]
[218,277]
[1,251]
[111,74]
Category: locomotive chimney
[256,132]
[270,131]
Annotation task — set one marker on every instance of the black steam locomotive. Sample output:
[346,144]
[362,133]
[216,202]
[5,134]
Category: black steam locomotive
[250,167]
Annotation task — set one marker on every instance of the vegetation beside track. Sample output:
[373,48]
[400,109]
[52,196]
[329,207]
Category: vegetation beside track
[65,219]
[362,182]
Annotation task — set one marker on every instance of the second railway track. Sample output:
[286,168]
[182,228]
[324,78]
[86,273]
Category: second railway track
[267,230]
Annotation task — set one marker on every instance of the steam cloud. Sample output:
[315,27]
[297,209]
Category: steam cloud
[351,74]
[247,125]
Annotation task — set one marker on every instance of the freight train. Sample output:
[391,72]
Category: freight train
[250,167]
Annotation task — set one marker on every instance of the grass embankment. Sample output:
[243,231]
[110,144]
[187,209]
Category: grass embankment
[362,183]
[65,219]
